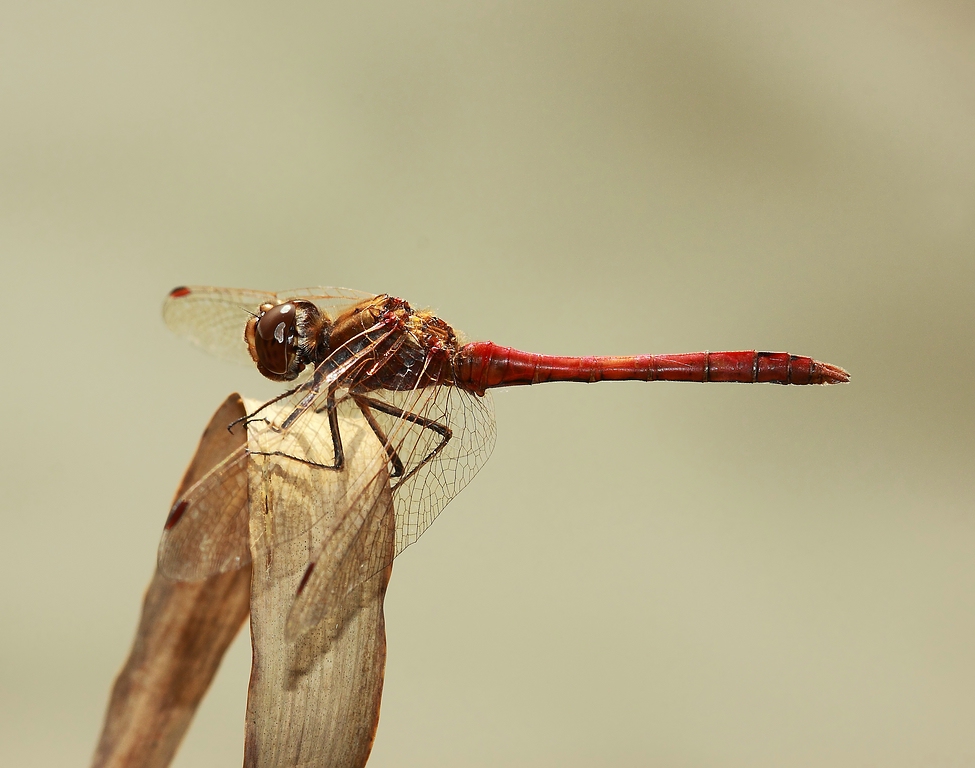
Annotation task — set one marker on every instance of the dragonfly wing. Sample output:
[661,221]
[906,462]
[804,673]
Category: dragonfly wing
[206,532]
[214,318]
[431,441]
[357,543]
[440,437]
[332,300]
[325,530]
[443,436]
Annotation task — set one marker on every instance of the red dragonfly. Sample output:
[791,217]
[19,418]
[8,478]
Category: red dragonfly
[401,374]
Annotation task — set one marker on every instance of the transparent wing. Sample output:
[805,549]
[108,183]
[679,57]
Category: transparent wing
[207,528]
[214,318]
[434,441]
[210,536]
[442,436]
[358,545]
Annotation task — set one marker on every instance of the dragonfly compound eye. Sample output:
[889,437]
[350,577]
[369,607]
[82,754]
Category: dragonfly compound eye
[274,347]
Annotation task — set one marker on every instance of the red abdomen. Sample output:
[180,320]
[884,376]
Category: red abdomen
[484,365]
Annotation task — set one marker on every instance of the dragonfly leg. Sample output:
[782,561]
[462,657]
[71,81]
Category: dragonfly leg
[394,458]
[441,429]
[338,452]
[249,418]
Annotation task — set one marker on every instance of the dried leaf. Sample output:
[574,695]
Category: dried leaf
[314,701]
[183,633]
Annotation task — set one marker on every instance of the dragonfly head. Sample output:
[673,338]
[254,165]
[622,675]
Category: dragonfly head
[283,338]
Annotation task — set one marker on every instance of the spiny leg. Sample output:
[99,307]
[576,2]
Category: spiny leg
[391,454]
[441,429]
[250,416]
[338,452]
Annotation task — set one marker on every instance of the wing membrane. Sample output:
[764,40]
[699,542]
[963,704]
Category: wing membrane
[433,472]
[206,532]
[422,447]
[210,535]
[214,318]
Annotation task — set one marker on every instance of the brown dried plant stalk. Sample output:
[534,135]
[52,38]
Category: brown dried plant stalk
[311,702]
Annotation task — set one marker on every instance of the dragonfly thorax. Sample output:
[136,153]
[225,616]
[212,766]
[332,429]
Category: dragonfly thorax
[397,347]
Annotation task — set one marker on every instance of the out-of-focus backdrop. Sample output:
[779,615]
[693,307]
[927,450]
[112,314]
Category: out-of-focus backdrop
[664,574]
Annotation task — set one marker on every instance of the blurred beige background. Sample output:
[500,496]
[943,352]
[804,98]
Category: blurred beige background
[672,575]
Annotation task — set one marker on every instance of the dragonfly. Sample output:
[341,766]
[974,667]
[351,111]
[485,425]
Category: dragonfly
[404,377]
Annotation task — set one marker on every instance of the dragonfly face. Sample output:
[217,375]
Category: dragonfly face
[285,337]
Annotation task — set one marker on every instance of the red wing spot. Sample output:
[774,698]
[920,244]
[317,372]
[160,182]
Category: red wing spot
[178,293]
[304,579]
[175,514]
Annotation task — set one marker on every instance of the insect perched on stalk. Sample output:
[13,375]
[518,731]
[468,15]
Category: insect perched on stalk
[398,374]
